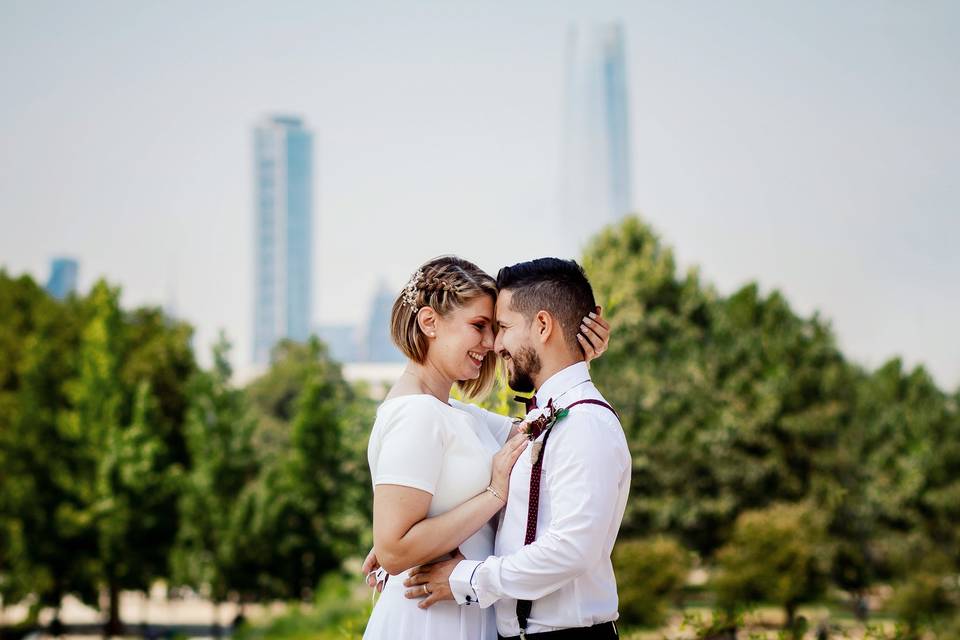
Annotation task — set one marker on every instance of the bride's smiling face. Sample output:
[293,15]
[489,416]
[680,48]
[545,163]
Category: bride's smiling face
[462,339]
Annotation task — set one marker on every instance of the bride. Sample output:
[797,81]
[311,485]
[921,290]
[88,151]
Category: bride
[440,468]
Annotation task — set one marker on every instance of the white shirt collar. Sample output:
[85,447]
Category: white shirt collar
[561,381]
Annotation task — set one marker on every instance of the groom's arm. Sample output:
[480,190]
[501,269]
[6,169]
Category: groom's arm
[582,476]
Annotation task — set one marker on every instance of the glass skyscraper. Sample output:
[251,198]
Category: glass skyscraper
[63,277]
[283,232]
[595,188]
[379,344]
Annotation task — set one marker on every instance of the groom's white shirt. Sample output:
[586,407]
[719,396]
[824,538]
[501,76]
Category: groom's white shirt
[585,480]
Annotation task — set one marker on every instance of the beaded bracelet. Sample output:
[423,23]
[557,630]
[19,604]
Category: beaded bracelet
[494,492]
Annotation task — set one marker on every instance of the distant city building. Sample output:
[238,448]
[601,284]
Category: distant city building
[171,307]
[63,277]
[379,345]
[283,232]
[595,188]
[369,350]
[342,340]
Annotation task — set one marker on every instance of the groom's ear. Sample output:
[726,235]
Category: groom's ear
[543,326]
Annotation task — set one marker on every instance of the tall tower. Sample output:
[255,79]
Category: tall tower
[283,233]
[379,344]
[63,277]
[595,187]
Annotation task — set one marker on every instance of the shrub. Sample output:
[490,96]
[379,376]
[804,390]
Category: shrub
[650,573]
[775,555]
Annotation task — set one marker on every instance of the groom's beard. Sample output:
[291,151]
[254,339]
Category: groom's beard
[525,365]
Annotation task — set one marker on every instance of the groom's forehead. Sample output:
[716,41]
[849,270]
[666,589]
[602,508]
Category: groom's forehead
[503,302]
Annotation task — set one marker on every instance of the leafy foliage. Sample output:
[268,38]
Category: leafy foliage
[757,448]
[650,574]
[774,555]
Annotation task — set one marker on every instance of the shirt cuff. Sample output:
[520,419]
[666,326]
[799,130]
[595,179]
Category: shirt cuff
[463,591]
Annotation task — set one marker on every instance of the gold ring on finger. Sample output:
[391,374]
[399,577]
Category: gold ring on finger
[425,591]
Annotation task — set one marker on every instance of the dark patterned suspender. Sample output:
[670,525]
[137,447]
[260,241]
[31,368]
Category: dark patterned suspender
[533,508]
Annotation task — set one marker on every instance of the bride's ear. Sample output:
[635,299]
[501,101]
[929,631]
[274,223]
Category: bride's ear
[427,321]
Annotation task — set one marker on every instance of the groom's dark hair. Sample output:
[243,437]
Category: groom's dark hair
[559,287]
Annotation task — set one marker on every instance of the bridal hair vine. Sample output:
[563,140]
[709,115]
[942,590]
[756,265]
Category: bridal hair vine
[410,291]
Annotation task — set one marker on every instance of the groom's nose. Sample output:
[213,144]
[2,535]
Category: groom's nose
[498,342]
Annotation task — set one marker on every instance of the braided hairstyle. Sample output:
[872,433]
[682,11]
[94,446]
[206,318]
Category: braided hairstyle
[443,284]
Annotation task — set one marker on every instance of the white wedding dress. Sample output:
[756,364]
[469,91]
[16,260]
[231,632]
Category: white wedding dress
[444,449]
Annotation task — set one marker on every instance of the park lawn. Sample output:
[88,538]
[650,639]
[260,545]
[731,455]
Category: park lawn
[342,606]
[765,622]
[344,619]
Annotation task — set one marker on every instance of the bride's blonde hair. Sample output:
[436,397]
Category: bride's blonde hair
[443,284]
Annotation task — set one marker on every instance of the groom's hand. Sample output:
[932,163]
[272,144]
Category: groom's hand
[432,581]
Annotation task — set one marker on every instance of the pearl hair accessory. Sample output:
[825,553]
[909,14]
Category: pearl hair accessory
[410,291]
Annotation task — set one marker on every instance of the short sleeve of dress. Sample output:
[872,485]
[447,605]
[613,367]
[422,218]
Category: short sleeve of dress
[411,447]
[498,425]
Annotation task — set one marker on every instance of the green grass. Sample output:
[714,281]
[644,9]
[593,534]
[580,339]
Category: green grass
[342,607]
[339,612]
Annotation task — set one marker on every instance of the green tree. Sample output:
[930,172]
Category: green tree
[327,460]
[93,426]
[158,350]
[310,506]
[655,374]
[912,455]
[140,483]
[926,593]
[909,435]
[124,485]
[650,574]
[38,342]
[729,404]
[221,464]
[774,555]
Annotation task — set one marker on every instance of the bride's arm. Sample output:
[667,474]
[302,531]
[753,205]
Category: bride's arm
[404,537]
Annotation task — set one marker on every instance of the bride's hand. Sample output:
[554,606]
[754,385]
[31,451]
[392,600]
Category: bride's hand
[594,335]
[503,463]
[370,568]
[519,426]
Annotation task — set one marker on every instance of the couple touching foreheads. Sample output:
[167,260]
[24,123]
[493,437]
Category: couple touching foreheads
[473,509]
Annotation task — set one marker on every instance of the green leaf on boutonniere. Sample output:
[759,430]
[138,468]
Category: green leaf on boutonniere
[561,414]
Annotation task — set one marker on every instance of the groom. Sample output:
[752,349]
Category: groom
[551,576]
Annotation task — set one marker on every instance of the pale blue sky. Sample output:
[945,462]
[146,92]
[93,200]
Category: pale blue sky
[812,146]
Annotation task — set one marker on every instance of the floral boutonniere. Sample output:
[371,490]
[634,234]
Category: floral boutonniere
[539,421]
